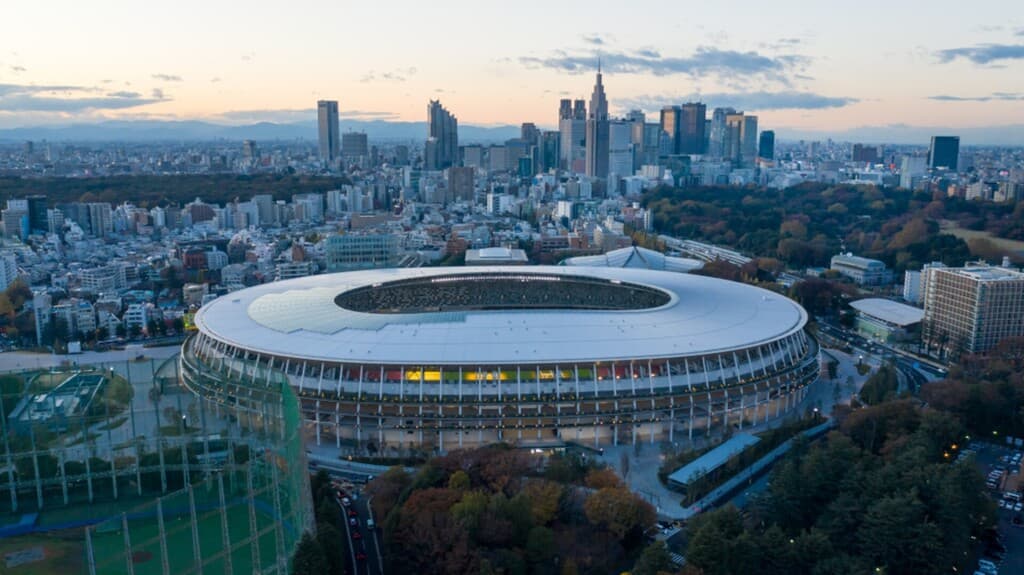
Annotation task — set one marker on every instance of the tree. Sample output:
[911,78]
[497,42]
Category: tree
[540,547]
[309,557]
[334,546]
[602,478]
[544,497]
[618,509]
[655,558]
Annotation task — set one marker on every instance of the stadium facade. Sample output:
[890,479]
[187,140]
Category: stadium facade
[443,358]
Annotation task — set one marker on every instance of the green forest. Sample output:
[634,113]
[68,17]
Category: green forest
[163,190]
[807,224]
[878,496]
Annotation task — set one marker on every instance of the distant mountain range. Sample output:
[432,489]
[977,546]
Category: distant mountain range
[195,130]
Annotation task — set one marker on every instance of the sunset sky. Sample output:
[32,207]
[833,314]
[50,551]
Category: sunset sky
[822,65]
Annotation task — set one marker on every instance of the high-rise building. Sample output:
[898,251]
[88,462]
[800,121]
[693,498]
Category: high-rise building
[719,133]
[944,153]
[597,144]
[971,309]
[579,109]
[443,135]
[564,109]
[572,138]
[550,151]
[912,167]
[355,145]
[740,139]
[620,148]
[691,128]
[460,184]
[670,127]
[766,145]
[250,152]
[327,124]
[37,220]
[865,154]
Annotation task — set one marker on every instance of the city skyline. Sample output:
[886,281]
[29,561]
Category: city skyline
[812,72]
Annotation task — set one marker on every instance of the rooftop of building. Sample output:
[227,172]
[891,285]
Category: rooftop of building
[301,318]
[889,311]
[636,257]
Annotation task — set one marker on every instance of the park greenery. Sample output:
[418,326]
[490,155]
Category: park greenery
[163,190]
[880,495]
[985,392]
[499,510]
[804,225]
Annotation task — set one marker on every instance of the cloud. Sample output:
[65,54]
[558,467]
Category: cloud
[594,40]
[215,79]
[290,115]
[398,75]
[18,69]
[995,96]
[751,101]
[982,53]
[706,60]
[158,93]
[66,99]
[167,77]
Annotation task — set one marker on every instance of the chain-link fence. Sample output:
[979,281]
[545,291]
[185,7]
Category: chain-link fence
[149,476]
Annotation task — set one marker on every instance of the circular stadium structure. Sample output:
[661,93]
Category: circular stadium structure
[449,357]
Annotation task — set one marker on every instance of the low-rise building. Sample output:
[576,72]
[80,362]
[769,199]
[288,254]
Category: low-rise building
[863,271]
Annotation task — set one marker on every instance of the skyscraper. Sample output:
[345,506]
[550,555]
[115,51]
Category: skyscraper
[620,148]
[564,109]
[740,139]
[766,145]
[670,120]
[573,134]
[597,144]
[443,133]
[37,220]
[327,123]
[691,128]
[944,152]
[719,132]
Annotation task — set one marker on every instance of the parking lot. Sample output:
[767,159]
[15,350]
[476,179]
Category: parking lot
[1001,466]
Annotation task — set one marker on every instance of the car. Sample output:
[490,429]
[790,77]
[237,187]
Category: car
[357,535]
[369,523]
[353,521]
[1002,504]
[360,556]
[352,512]
[1018,506]
[346,501]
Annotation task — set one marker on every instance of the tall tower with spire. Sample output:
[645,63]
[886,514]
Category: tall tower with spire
[597,142]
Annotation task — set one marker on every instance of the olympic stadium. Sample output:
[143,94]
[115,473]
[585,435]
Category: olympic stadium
[442,358]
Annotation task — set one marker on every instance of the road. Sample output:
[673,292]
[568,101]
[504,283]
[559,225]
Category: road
[364,557]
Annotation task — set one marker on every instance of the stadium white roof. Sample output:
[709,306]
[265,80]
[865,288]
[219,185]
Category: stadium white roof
[299,318]
[636,257]
[889,311]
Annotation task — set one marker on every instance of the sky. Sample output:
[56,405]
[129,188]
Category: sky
[822,65]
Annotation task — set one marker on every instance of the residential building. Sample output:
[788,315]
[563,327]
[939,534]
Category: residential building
[972,308]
